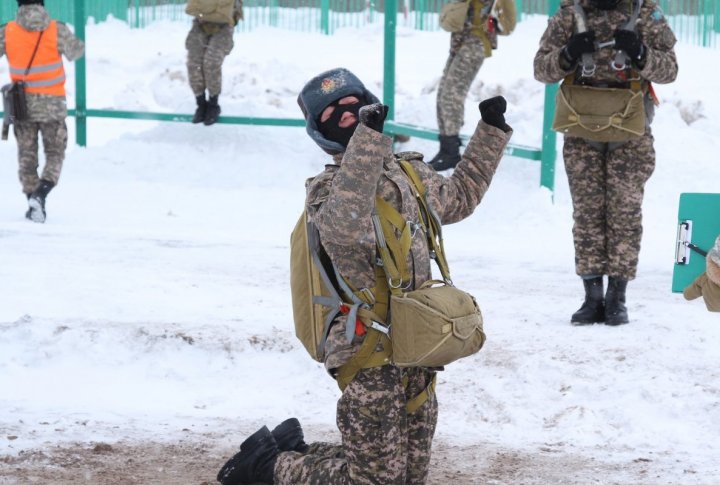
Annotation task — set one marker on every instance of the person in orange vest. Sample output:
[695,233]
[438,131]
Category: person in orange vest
[33,44]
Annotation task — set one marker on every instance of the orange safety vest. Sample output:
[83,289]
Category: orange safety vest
[46,74]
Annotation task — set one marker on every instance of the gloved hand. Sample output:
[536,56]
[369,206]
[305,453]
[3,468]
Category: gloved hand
[579,44]
[373,116]
[491,112]
[630,43]
[703,286]
[707,284]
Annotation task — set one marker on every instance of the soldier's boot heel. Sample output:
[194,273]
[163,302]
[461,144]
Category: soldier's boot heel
[255,462]
[615,309]
[593,308]
[199,115]
[213,111]
[289,436]
[449,154]
[36,201]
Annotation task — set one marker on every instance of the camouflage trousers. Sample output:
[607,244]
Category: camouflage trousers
[462,66]
[205,55]
[607,188]
[381,443]
[54,138]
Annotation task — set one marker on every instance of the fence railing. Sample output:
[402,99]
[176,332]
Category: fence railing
[695,21]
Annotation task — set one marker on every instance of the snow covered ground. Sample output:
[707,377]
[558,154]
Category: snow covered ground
[155,300]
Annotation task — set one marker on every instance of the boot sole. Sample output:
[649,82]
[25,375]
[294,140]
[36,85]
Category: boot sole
[581,324]
[36,213]
[615,324]
[288,434]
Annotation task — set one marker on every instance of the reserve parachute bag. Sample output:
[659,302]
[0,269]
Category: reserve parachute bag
[215,11]
[453,15]
[434,326]
[599,114]
[437,323]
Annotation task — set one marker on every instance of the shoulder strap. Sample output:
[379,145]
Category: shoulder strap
[32,58]
[431,220]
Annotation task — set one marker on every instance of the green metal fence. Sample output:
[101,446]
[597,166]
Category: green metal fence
[695,21]
[698,19]
[64,10]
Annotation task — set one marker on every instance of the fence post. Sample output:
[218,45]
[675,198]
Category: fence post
[389,57]
[80,81]
[549,149]
[137,14]
[325,16]
[421,9]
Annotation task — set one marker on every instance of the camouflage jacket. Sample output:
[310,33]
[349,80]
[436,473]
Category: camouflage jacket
[660,65]
[34,18]
[340,201]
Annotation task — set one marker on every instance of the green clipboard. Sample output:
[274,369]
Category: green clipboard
[698,227]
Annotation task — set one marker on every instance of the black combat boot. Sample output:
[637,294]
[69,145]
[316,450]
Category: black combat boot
[28,213]
[615,310]
[593,308]
[199,115]
[37,201]
[289,436]
[213,111]
[255,462]
[449,154]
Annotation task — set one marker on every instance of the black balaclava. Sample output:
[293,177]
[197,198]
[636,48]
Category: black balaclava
[331,129]
[324,90]
[605,4]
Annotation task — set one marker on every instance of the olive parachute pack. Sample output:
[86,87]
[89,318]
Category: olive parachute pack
[498,17]
[215,11]
[428,327]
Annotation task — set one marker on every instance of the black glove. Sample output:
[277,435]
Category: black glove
[578,45]
[373,116]
[491,112]
[630,43]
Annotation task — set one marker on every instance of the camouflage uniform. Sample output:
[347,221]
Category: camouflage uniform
[382,443]
[207,45]
[468,50]
[607,180]
[46,113]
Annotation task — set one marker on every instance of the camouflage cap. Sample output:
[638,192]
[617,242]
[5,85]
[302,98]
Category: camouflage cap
[324,89]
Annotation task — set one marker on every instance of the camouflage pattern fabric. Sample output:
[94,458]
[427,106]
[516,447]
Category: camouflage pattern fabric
[607,183]
[463,64]
[34,18]
[207,46]
[660,66]
[467,53]
[54,138]
[340,201]
[382,443]
[46,113]
[607,191]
